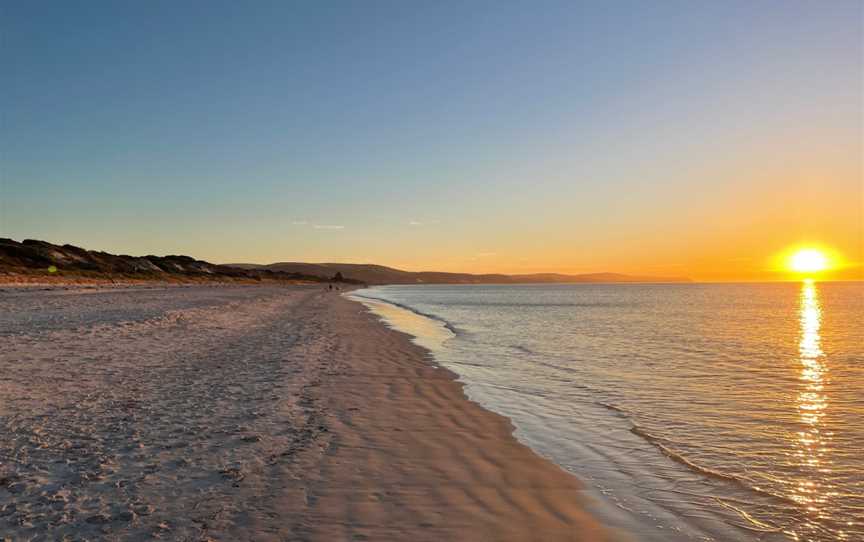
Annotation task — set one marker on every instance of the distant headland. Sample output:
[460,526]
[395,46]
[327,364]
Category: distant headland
[33,259]
[379,274]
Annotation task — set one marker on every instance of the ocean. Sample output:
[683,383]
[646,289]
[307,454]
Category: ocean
[691,411]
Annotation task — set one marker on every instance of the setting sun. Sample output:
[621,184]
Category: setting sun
[808,260]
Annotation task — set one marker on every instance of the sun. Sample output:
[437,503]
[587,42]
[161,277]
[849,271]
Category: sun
[808,260]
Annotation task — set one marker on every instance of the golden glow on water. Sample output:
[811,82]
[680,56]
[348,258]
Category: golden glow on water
[813,441]
[427,332]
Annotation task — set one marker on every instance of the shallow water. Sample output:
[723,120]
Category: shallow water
[702,412]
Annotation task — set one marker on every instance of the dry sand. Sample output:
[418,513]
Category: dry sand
[251,413]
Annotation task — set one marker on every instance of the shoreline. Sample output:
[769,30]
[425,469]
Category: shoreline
[271,413]
[514,368]
[435,463]
[415,326]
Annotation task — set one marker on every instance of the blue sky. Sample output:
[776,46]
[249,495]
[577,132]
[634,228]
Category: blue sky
[518,136]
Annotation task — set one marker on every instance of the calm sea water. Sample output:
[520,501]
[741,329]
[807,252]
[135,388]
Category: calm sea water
[695,412]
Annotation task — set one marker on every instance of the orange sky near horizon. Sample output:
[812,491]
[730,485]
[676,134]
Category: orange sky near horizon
[697,224]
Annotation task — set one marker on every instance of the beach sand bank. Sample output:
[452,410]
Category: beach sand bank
[252,413]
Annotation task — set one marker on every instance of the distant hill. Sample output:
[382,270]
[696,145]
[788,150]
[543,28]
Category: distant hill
[40,257]
[379,274]
[31,257]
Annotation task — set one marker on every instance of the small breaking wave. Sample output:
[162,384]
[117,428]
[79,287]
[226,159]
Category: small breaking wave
[447,325]
[701,469]
[620,411]
[523,349]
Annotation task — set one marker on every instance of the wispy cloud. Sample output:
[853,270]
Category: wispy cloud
[328,227]
[300,222]
[414,223]
[481,255]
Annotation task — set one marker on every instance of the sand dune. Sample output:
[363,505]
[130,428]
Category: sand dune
[251,413]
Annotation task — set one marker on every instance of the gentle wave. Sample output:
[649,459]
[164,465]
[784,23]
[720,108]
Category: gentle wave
[449,326]
[689,463]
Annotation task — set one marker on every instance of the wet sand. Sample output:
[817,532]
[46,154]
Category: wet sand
[252,413]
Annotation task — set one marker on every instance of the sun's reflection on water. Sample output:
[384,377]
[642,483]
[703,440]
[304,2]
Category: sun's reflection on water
[813,440]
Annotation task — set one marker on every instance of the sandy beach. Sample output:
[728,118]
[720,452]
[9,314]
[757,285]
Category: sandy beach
[251,413]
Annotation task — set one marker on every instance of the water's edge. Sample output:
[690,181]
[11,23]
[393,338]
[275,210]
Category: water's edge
[599,502]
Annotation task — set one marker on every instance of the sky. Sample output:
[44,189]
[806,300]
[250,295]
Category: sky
[697,139]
